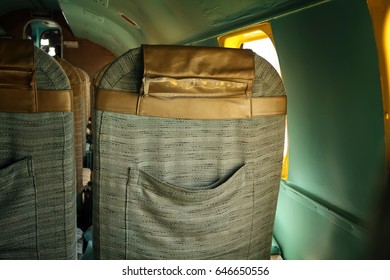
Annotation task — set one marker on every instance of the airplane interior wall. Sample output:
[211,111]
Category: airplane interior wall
[329,64]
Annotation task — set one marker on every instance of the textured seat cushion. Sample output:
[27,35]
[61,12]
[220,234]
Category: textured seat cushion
[37,174]
[79,117]
[168,188]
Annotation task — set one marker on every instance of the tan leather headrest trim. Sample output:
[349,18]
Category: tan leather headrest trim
[22,57]
[18,92]
[189,108]
[201,63]
[194,83]
[31,101]
[16,63]
[116,101]
[54,101]
[21,79]
[269,105]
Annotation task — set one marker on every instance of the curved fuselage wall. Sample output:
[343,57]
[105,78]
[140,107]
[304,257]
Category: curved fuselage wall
[329,64]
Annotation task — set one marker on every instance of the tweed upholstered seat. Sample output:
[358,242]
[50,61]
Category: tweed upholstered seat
[85,88]
[79,117]
[86,92]
[37,165]
[96,82]
[188,155]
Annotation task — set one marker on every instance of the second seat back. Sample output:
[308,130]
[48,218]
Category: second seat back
[188,154]
[79,117]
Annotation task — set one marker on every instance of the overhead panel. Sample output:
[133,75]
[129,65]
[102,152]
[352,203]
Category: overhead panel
[104,3]
[93,20]
[139,22]
[93,16]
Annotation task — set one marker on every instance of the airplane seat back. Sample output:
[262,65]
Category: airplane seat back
[79,116]
[85,86]
[37,164]
[188,154]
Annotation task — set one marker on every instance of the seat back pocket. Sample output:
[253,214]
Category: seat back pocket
[18,218]
[164,221]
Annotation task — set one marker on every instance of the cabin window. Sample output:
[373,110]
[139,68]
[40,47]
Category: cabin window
[259,39]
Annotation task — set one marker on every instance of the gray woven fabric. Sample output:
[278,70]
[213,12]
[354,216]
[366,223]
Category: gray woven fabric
[79,117]
[48,74]
[18,200]
[37,174]
[86,103]
[125,74]
[185,189]
[96,81]
[48,139]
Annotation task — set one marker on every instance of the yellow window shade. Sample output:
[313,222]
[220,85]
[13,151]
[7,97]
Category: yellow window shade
[254,32]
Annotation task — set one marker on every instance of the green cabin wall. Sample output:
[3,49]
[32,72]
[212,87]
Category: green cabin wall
[330,69]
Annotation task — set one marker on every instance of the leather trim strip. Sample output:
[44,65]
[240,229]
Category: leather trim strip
[54,101]
[18,93]
[190,108]
[116,101]
[269,105]
[22,58]
[195,108]
[16,63]
[29,101]
[16,78]
[17,100]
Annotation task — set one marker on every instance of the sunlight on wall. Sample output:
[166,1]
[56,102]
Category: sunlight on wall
[380,15]
[386,46]
[265,48]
